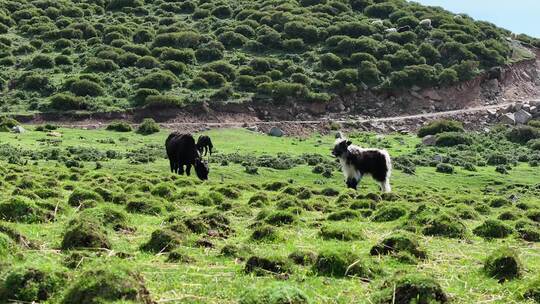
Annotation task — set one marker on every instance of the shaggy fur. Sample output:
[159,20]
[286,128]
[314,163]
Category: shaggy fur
[182,151]
[204,144]
[357,162]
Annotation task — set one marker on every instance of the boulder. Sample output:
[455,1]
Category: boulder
[522,116]
[533,110]
[18,129]
[438,158]
[429,140]
[276,132]
[54,134]
[253,128]
[508,118]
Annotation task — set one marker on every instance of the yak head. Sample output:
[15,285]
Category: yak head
[341,147]
[201,169]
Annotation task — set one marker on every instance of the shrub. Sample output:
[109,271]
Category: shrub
[86,87]
[149,207]
[67,102]
[532,291]
[444,225]
[522,134]
[330,61]
[148,126]
[493,229]
[119,126]
[440,126]
[101,65]
[343,215]
[162,80]
[503,264]
[107,283]
[42,61]
[450,139]
[444,168]
[160,101]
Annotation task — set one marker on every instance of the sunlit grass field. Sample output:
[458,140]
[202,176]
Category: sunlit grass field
[206,273]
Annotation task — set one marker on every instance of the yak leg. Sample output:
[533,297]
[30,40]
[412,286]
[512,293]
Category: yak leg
[171,163]
[188,169]
[181,169]
[352,183]
[210,149]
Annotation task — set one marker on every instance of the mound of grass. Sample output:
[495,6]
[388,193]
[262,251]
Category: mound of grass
[411,288]
[236,251]
[107,216]
[144,206]
[21,209]
[532,292]
[80,196]
[344,215]
[340,232]
[498,202]
[31,284]
[388,213]
[108,283]
[280,218]
[258,199]
[528,231]
[206,221]
[179,256]
[267,265]
[265,233]
[6,245]
[444,168]
[493,229]
[341,262]
[163,240]
[86,233]
[533,215]
[503,264]
[399,242]
[303,257]
[444,225]
[275,293]
[440,126]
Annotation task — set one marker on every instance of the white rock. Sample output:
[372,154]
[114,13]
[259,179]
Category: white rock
[508,118]
[522,116]
[533,110]
[18,129]
[429,140]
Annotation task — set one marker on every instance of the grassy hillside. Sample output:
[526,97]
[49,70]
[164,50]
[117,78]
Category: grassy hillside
[98,55]
[95,217]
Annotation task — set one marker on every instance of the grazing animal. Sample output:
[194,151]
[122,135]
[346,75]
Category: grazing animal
[357,162]
[403,29]
[182,151]
[204,144]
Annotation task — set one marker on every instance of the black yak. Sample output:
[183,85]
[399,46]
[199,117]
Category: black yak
[204,144]
[356,162]
[182,151]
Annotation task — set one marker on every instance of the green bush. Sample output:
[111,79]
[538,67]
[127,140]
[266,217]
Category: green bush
[119,126]
[450,139]
[440,126]
[31,284]
[522,134]
[162,80]
[147,127]
[86,87]
[493,229]
[42,61]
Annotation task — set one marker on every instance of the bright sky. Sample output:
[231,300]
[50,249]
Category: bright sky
[519,16]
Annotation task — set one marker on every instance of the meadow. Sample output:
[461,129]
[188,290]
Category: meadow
[95,216]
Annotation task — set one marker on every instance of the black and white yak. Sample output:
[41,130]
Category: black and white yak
[204,144]
[357,162]
[182,151]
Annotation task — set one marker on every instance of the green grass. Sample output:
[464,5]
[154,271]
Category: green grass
[212,278]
